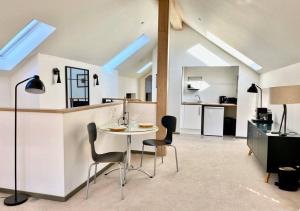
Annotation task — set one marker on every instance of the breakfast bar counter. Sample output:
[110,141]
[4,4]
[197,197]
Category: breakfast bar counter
[53,147]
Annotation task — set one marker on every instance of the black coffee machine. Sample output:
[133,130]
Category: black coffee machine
[263,115]
[230,100]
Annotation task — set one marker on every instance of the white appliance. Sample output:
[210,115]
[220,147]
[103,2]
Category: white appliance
[213,121]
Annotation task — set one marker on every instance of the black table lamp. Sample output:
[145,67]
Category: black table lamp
[253,89]
[34,86]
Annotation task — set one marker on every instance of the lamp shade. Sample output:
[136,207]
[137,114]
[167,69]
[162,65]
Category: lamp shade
[285,95]
[252,89]
[35,86]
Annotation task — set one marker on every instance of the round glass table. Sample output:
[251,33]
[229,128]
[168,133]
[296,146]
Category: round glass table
[130,130]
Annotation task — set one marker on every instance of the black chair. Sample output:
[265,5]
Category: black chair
[168,122]
[110,157]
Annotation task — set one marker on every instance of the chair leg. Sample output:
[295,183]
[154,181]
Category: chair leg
[95,175]
[141,163]
[154,172]
[88,181]
[176,158]
[162,159]
[121,180]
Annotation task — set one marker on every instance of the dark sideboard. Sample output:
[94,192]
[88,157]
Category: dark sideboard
[273,150]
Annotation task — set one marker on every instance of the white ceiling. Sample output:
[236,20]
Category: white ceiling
[267,31]
[93,31]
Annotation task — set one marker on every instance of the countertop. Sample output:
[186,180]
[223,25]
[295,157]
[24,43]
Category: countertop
[70,110]
[64,110]
[268,127]
[209,104]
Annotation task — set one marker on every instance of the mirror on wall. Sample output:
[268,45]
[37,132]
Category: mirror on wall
[77,87]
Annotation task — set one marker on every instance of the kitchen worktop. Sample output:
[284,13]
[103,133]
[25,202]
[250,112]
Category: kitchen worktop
[209,104]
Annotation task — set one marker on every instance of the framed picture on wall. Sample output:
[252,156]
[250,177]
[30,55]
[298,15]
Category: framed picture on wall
[82,80]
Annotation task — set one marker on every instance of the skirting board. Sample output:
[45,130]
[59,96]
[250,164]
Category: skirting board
[53,197]
[190,131]
[72,193]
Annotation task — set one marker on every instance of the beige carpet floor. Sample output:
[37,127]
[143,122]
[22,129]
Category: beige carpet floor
[215,174]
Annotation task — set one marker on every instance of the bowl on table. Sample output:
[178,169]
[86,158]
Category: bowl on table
[117,129]
[145,125]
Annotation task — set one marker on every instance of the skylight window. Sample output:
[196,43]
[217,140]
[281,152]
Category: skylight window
[232,51]
[23,43]
[144,68]
[126,53]
[206,56]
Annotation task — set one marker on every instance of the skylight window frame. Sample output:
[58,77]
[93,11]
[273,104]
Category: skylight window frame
[232,51]
[18,37]
[126,53]
[145,67]
[23,43]
[206,56]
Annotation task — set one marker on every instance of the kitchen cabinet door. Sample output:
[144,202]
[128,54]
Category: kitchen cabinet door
[192,117]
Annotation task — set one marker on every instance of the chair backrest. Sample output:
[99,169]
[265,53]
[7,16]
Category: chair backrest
[169,122]
[92,130]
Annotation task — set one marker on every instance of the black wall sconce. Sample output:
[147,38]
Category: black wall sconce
[96,80]
[57,72]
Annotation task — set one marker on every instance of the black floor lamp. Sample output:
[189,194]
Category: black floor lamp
[34,86]
[253,89]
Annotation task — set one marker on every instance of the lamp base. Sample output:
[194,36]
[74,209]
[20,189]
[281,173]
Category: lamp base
[13,201]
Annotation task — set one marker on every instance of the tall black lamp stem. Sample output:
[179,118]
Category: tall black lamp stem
[16,199]
[34,86]
[283,121]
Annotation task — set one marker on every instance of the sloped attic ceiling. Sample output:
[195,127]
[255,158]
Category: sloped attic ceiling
[94,31]
[267,31]
[91,31]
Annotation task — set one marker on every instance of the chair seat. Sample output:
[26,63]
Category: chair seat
[110,157]
[154,142]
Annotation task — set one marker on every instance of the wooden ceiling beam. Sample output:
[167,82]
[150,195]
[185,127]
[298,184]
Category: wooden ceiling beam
[176,18]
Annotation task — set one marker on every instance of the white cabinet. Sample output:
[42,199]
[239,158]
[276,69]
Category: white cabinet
[191,117]
[213,121]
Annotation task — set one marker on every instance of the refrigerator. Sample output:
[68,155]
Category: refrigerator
[213,121]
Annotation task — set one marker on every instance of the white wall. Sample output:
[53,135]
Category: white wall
[26,70]
[40,152]
[180,42]
[154,72]
[222,81]
[289,75]
[4,90]
[128,85]
[55,95]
